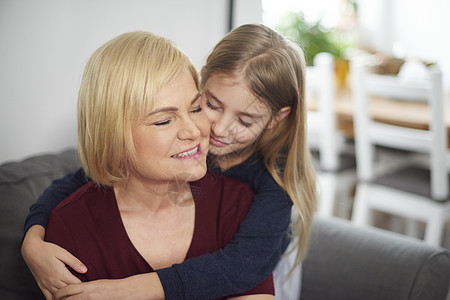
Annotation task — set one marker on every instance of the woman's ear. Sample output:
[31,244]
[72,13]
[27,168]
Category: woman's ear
[280,115]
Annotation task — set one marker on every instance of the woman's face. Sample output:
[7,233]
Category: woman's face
[172,140]
[237,117]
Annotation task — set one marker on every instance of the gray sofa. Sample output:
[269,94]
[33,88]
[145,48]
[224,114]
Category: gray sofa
[344,262]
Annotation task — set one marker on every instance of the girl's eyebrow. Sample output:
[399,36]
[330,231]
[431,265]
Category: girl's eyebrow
[253,116]
[172,108]
[241,113]
[210,94]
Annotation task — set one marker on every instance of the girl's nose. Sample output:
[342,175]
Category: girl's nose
[222,126]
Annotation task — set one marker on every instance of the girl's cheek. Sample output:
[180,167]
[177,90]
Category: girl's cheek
[245,136]
[210,115]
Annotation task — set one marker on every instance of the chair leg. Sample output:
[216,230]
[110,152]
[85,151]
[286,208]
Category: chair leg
[434,230]
[361,209]
[397,223]
[413,228]
[327,194]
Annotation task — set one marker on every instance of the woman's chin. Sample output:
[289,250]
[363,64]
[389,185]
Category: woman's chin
[197,175]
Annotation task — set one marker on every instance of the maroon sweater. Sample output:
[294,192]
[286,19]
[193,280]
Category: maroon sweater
[88,225]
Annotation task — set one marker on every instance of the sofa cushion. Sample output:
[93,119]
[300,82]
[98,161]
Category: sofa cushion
[20,185]
[348,262]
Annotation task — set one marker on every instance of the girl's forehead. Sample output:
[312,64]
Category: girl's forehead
[236,97]
[228,79]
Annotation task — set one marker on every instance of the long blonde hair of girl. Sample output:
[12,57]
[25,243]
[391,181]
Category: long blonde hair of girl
[274,71]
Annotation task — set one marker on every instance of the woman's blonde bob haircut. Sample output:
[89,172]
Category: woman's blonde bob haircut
[120,82]
[274,70]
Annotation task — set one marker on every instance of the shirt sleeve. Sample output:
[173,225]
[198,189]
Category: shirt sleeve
[52,196]
[247,260]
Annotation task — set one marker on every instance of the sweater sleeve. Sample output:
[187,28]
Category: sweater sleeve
[52,196]
[248,259]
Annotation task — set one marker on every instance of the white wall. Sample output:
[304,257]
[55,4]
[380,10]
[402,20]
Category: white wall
[247,11]
[45,45]
[416,28]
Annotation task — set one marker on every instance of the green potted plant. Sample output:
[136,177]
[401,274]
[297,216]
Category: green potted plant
[314,38]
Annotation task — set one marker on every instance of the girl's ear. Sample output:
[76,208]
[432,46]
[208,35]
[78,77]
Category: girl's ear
[280,115]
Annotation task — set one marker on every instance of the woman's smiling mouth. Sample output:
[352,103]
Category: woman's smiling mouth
[190,153]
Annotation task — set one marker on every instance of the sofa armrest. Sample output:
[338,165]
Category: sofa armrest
[20,185]
[348,262]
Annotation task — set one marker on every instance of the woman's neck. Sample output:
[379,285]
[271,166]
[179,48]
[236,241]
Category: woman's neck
[138,195]
[159,219]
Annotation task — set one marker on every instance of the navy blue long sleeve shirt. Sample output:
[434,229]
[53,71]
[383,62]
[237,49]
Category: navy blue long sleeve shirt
[245,262]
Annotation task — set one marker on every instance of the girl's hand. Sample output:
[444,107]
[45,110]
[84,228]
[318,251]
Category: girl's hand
[48,261]
[142,286]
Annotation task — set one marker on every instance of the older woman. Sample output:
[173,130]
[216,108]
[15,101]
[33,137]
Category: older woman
[143,140]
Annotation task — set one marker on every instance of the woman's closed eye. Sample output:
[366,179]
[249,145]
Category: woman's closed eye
[162,123]
[197,109]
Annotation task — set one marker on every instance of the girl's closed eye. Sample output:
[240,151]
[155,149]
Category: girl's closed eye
[212,106]
[245,124]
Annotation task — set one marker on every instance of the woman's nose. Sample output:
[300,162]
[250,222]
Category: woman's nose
[189,130]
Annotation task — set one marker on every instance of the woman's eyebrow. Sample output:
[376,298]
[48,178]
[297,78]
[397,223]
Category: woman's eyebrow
[195,98]
[163,109]
[172,108]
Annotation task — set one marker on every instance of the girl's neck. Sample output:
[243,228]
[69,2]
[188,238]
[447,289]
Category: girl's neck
[233,159]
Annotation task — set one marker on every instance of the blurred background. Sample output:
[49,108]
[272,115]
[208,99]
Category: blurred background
[45,45]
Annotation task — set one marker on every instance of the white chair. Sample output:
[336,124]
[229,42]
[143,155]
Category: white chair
[372,192]
[322,129]
[323,134]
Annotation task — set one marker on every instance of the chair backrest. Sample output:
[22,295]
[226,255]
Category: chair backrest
[369,132]
[320,83]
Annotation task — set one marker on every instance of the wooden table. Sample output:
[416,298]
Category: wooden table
[404,113]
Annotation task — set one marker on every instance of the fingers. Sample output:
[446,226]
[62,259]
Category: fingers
[71,261]
[71,291]
[48,261]
[47,294]
[49,286]
[52,274]
[68,279]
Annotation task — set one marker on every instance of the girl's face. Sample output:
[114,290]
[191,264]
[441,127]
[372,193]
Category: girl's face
[172,140]
[237,117]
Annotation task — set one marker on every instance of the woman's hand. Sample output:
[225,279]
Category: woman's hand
[48,261]
[142,286]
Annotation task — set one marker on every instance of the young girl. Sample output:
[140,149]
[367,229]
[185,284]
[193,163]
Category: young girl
[253,91]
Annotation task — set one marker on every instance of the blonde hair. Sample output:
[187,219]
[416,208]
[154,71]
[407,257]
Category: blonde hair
[274,70]
[119,84]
